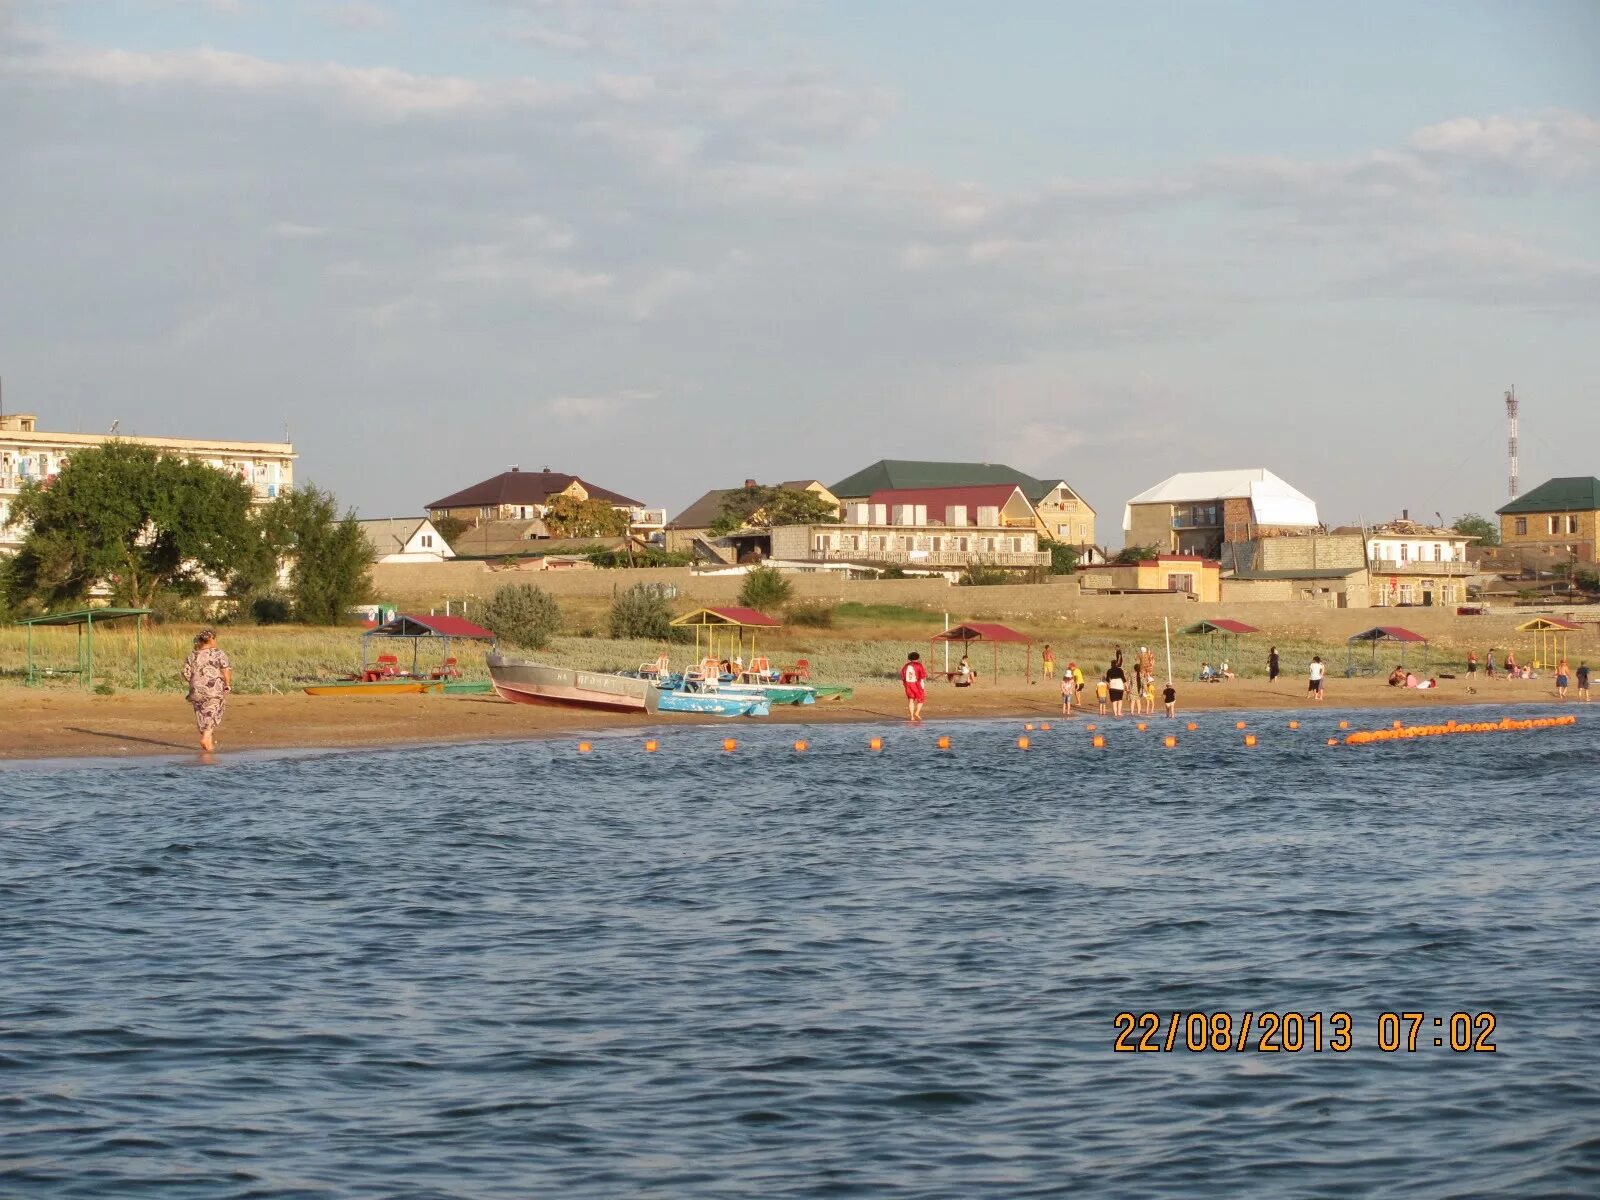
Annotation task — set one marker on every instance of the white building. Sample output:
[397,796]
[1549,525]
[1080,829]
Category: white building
[1412,563]
[405,540]
[28,454]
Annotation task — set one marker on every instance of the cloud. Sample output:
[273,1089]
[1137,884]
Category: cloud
[1558,145]
[592,409]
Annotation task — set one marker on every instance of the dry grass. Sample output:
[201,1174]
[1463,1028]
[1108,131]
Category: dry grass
[865,645]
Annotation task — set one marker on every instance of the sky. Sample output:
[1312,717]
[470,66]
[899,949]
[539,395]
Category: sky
[668,245]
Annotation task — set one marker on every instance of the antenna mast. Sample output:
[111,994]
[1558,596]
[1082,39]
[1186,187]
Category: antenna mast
[1511,437]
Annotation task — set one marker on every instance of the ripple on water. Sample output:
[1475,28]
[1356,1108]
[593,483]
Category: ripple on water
[501,971]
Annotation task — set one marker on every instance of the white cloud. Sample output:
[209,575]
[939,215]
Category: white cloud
[580,409]
[1556,145]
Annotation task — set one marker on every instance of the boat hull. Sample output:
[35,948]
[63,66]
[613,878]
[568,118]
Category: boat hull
[524,682]
[714,704]
[381,687]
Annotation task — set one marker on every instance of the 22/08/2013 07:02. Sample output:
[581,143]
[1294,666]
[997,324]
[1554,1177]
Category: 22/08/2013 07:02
[1274,1032]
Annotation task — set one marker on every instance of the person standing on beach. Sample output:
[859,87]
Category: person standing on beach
[1049,662]
[1273,665]
[1144,669]
[912,676]
[1563,673]
[1317,672]
[1116,684]
[1583,682]
[1489,664]
[1068,690]
[1472,666]
[210,678]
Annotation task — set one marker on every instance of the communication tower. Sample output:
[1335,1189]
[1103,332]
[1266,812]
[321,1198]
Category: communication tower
[1511,437]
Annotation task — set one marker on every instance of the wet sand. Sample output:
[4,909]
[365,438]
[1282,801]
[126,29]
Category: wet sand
[59,724]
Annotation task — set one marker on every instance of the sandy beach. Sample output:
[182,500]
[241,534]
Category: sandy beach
[54,724]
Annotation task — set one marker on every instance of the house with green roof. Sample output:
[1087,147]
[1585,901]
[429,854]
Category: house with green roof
[1557,521]
[1060,513]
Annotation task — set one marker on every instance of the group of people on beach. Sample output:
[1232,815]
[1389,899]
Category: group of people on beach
[1513,670]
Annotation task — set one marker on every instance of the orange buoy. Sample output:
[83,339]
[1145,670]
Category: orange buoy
[1238,724]
[1099,742]
[944,743]
[1249,739]
[1333,741]
[729,745]
[1045,727]
[1141,727]
[1344,724]
[1169,741]
[802,745]
[652,746]
[1023,743]
[1090,728]
[1294,724]
[1029,726]
[584,747]
[875,744]
[1191,727]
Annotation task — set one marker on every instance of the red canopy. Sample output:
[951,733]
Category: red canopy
[414,625]
[1221,625]
[977,631]
[1391,633]
[728,616]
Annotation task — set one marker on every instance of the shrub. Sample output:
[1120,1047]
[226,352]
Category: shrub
[978,576]
[764,587]
[271,609]
[522,615]
[814,614]
[641,612]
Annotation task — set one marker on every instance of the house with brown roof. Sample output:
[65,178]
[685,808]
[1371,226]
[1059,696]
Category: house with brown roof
[518,495]
[690,531]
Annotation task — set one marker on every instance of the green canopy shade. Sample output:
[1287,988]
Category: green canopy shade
[85,619]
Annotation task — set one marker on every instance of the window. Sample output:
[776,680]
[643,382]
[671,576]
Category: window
[427,541]
[1572,519]
[1555,524]
[1405,593]
[1438,552]
[1521,524]
[1405,551]
[1016,545]
[1180,583]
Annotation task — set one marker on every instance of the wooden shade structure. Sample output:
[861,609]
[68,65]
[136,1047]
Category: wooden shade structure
[1549,640]
[733,621]
[1382,633]
[418,629]
[1222,629]
[995,635]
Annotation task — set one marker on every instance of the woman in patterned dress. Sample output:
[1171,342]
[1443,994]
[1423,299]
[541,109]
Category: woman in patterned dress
[210,679]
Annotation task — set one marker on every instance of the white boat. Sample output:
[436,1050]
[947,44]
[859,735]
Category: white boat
[524,682]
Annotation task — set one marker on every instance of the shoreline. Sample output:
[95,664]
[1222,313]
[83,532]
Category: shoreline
[74,725]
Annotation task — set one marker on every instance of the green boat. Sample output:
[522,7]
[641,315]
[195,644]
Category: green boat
[467,687]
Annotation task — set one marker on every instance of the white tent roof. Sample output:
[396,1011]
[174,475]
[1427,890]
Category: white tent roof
[1274,501]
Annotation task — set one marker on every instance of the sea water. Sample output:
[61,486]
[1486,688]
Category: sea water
[515,970]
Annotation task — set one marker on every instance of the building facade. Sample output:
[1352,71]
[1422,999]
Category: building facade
[957,528]
[1557,522]
[405,540]
[518,495]
[1189,574]
[1199,512]
[1409,563]
[29,454]
[1060,513]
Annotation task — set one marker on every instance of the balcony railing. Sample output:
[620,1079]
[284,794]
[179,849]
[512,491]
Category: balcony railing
[1390,566]
[935,558]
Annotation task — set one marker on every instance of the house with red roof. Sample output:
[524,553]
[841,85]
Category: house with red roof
[991,525]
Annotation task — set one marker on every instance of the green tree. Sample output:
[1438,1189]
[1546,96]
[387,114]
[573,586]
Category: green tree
[567,516]
[1135,554]
[450,528]
[642,612]
[1473,525]
[757,507]
[522,615]
[764,587]
[137,520]
[327,555]
[1063,558]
